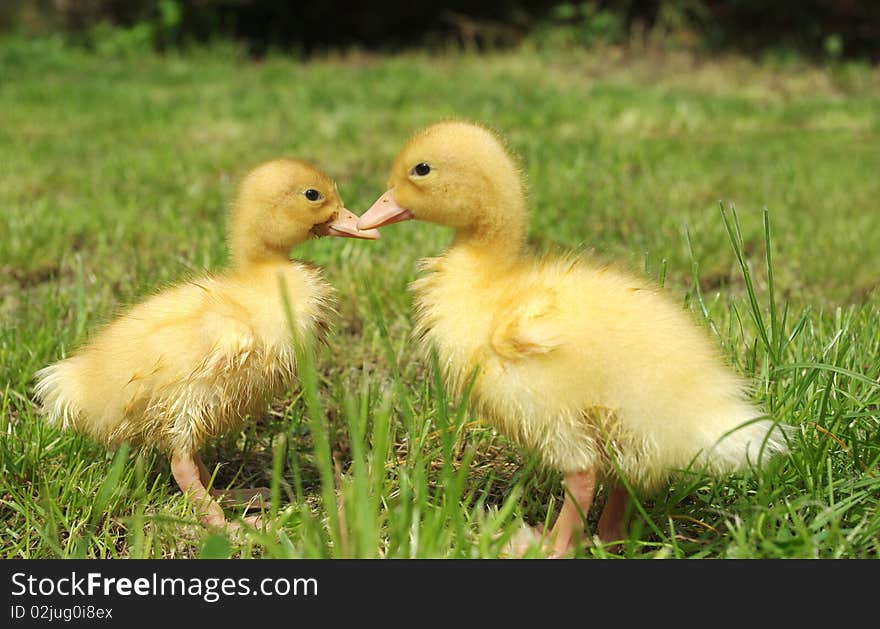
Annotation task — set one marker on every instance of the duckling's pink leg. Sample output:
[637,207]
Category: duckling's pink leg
[611,520]
[187,474]
[252,497]
[569,526]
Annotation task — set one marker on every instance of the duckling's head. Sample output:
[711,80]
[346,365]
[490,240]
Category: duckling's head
[457,174]
[283,203]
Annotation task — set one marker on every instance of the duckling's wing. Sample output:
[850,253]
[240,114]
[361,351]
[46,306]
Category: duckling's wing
[231,338]
[529,327]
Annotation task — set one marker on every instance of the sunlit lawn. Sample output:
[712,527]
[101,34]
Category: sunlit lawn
[116,178]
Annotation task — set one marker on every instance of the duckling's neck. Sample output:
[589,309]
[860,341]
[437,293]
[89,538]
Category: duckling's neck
[498,237]
[500,249]
[248,244]
[253,253]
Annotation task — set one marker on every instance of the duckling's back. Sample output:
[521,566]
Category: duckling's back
[592,368]
[188,363]
[674,400]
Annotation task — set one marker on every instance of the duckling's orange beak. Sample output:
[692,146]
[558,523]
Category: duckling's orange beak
[384,212]
[345,225]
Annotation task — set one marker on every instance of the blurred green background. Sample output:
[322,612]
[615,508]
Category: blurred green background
[830,28]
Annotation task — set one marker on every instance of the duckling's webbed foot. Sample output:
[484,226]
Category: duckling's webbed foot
[185,470]
[524,542]
[569,527]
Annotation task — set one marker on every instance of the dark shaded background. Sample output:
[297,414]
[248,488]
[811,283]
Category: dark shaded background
[836,28]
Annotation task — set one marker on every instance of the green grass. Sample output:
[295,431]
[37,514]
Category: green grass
[117,174]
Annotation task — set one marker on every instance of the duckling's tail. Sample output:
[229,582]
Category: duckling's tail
[751,440]
[56,392]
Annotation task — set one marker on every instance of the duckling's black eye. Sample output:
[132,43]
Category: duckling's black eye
[312,194]
[421,169]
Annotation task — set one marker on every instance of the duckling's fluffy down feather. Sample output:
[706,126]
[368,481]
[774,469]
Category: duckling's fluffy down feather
[590,367]
[188,363]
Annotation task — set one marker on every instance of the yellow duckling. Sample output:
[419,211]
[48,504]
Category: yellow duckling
[198,358]
[594,369]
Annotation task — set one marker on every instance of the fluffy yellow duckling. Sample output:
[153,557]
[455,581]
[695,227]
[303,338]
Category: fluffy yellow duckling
[596,370]
[198,358]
